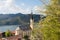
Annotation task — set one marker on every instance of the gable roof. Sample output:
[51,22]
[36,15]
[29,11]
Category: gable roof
[25,27]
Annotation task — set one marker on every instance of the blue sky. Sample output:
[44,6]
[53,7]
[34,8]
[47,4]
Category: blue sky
[28,3]
[22,6]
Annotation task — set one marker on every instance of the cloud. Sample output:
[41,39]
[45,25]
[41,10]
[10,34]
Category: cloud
[39,9]
[4,5]
[23,4]
[8,6]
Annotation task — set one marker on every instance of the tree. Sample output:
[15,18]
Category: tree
[26,37]
[8,33]
[36,34]
[51,24]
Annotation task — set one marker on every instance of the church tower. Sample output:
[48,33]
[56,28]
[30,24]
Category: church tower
[31,20]
[17,31]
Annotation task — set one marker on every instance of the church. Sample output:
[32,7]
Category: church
[25,29]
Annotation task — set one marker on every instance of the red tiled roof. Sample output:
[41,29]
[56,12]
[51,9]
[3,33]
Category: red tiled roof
[14,37]
[0,32]
[13,32]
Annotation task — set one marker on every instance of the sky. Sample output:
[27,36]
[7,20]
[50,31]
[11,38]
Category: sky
[19,6]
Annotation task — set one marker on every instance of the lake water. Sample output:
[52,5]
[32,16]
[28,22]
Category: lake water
[8,27]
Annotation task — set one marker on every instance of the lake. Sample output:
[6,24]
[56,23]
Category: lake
[8,27]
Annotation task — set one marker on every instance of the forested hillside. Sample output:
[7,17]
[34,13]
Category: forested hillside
[17,19]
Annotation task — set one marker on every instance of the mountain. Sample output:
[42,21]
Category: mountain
[18,19]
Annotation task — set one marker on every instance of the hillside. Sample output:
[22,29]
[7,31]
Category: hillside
[17,19]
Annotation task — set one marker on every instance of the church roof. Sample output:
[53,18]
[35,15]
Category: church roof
[25,27]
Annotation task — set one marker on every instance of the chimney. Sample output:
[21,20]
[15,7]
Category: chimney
[31,20]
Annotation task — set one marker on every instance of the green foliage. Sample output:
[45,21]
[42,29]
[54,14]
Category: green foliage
[7,33]
[51,24]
[36,34]
[26,37]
